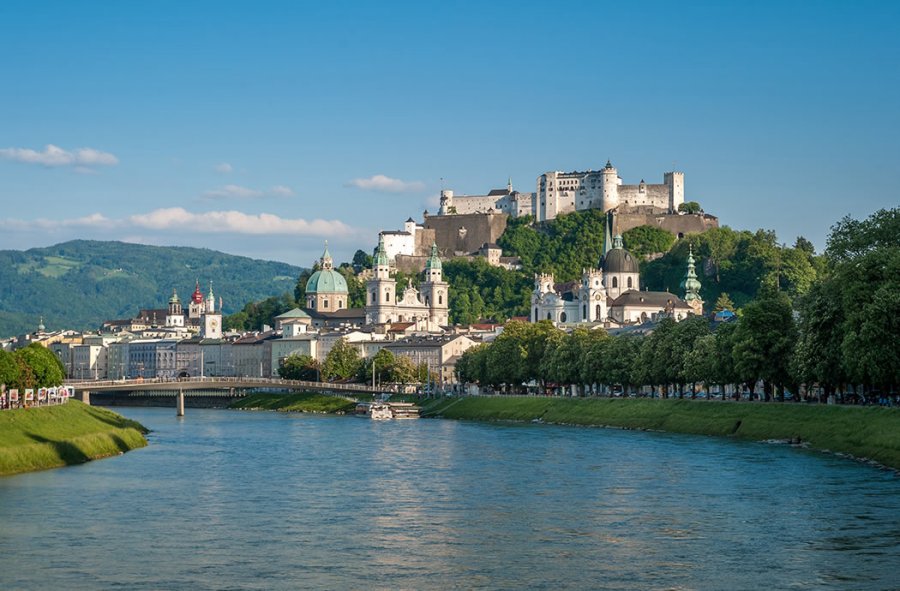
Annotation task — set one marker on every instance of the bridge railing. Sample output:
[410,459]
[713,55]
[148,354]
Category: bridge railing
[247,382]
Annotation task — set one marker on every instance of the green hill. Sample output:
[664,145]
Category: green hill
[81,283]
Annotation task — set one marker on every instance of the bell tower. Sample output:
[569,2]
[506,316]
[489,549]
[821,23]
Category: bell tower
[381,290]
[436,290]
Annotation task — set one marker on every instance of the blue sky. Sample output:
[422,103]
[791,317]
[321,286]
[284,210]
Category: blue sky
[264,128]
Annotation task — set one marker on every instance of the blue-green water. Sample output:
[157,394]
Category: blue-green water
[244,500]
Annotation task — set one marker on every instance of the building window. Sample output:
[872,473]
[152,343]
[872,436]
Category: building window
[535,314]
[440,300]
[597,312]
[548,316]
[562,317]
[615,282]
[387,296]
[584,311]
[325,304]
[629,283]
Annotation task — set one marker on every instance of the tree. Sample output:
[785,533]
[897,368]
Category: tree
[817,355]
[362,260]
[342,361]
[470,367]
[46,368]
[299,367]
[764,342]
[689,207]
[256,315]
[10,373]
[645,240]
[723,302]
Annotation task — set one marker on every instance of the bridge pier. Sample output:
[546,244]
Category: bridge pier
[83,396]
[180,404]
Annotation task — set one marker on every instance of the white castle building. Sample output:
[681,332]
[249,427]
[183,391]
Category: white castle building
[611,293]
[428,309]
[401,242]
[505,200]
[565,192]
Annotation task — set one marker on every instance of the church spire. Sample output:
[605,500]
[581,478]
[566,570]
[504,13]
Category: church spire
[691,285]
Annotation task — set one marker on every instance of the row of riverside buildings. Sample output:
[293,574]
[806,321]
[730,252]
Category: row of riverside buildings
[181,341]
[189,340]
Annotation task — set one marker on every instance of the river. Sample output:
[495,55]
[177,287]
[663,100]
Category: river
[262,500]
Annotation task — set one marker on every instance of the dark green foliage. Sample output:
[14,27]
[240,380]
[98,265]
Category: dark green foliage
[563,246]
[10,372]
[690,207]
[362,260]
[644,240]
[850,320]
[255,315]
[46,369]
[480,291]
[299,367]
[342,362]
[736,262]
[82,283]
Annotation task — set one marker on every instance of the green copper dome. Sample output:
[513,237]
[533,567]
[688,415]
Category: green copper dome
[326,280]
[329,281]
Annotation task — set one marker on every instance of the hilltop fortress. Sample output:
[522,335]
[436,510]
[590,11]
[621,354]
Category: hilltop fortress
[470,225]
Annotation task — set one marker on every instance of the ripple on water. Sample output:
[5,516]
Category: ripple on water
[237,500]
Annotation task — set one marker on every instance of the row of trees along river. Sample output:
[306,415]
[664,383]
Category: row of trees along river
[840,332]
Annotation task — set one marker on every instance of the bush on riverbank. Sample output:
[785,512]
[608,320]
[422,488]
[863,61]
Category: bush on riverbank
[301,402]
[868,432]
[71,433]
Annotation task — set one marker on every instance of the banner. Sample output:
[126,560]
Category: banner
[14,395]
[29,394]
[52,392]
[42,394]
[2,399]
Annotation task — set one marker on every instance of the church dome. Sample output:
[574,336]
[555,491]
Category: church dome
[326,281]
[619,260]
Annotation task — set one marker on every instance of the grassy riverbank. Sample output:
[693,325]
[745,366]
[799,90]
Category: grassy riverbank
[864,432]
[54,436]
[301,402]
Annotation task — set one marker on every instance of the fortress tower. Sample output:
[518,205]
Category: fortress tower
[610,181]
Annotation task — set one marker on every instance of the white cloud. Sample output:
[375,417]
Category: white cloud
[175,219]
[233,192]
[282,191]
[93,220]
[219,222]
[56,156]
[386,184]
[239,192]
[223,168]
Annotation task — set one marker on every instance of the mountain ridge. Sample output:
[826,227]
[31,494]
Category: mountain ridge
[81,283]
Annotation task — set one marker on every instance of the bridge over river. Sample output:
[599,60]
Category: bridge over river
[224,389]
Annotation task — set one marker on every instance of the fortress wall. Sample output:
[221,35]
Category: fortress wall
[464,234]
[679,225]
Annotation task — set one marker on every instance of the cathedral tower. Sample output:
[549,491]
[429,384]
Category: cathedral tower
[381,289]
[435,290]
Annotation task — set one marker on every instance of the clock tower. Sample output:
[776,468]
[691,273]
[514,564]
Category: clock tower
[211,325]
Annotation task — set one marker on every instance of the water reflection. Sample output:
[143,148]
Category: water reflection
[229,500]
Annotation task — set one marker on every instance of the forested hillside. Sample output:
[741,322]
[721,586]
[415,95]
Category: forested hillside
[732,265]
[81,283]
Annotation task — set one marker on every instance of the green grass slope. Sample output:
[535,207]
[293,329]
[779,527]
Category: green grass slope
[864,432]
[301,402]
[81,283]
[72,433]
